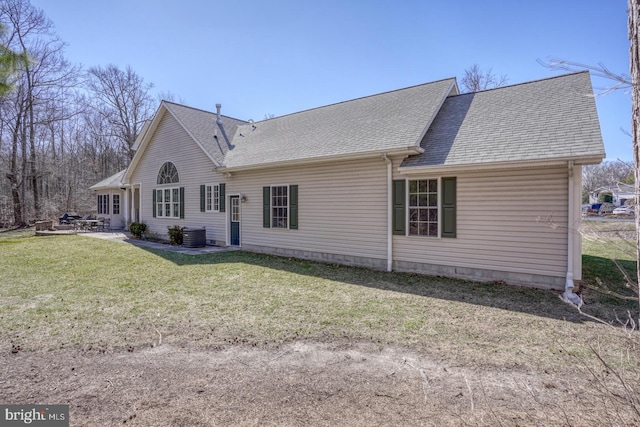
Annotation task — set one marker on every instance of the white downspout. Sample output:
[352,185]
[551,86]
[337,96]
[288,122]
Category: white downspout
[568,295]
[389,212]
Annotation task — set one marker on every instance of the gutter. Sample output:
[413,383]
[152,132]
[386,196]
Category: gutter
[389,212]
[403,151]
[568,295]
[469,167]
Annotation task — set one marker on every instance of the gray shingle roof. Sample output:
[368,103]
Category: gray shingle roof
[114,181]
[543,119]
[202,126]
[387,121]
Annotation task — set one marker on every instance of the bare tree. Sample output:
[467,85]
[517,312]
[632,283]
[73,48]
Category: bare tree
[607,173]
[475,79]
[620,80]
[41,80]
[123,99]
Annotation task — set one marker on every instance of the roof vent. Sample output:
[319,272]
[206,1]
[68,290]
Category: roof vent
[218,120]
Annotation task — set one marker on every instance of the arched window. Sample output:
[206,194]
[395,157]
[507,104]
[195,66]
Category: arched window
[168,174]
[168,201]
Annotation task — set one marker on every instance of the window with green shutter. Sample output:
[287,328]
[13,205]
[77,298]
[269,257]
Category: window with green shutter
[423,207]
[431,207]
[168,202]
[280,206]
[210,198]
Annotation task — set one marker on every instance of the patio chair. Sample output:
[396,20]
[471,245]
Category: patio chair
[106,224]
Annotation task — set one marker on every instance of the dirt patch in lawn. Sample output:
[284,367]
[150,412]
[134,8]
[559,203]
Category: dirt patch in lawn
[299,383]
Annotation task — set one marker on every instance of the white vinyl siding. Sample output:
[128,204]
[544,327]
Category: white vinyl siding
[512,221]
[342,208]
[170,142]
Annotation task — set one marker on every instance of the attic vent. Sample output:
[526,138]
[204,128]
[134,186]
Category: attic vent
[218,120]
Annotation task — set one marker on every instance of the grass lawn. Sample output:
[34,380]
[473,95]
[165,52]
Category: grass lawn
[95,295]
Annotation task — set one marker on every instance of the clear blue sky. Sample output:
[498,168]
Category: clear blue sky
[278,57]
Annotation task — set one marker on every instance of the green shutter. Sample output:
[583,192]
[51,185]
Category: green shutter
[449,207]
[203,190]
[154,203]
[222,197]
[181,202]
[399,208]
[266,207]
[293,207]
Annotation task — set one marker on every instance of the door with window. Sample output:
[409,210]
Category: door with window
[235,220]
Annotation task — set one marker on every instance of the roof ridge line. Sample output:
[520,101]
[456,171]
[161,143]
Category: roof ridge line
[523,83]
[356,99]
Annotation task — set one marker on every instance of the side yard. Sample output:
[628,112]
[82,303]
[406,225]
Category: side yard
[145,337]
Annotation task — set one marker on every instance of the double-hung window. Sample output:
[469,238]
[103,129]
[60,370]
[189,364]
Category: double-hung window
[426,206]
[423,207]
[116,204]
[103,204]
[168,202]
[213,198]
[280,206]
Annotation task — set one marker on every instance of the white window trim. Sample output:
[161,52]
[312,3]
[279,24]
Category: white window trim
[113,204]
[102,204]
[288,207]
[214,200]
[407,207]
[160,213]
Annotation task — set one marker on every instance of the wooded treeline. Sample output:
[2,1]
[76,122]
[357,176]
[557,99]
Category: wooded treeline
[62,128]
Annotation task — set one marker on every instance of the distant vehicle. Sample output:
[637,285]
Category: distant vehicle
[625,210]
[606,208]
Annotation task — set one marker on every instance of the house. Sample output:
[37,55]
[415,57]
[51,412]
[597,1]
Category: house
[619,194]
[483,186]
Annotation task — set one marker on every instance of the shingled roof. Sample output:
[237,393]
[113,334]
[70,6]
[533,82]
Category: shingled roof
[114,181]
[202,126]
[388,121]
[554,118]
[537,121]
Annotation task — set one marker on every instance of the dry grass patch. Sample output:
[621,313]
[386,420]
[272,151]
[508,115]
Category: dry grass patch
[71,291]
[298,334]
